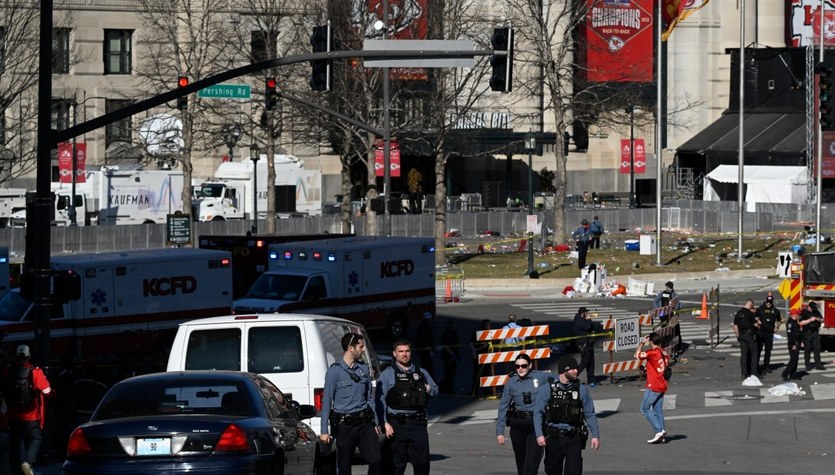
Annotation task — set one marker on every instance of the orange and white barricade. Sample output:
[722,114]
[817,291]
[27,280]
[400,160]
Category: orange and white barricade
[613,366]
[511,355]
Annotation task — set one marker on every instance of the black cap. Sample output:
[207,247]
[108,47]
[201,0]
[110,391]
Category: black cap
[566,363]
[582,310]
[769,299]
[669,284]
[584,222]
[813,305]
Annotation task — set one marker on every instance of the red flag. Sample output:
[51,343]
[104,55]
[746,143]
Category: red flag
[675,11]
[80,162]
[394,159]
[65,162]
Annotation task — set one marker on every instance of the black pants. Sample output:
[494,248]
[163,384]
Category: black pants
[410,444]
[29,434]
[4,453]
[765,341]
[791,366]
[582,250]
[564,456]
[747,354]
[362,437]
[587,362]
[595,241]
[528,453]
[812,344]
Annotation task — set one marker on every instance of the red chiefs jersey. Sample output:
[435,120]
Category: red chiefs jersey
[656,364]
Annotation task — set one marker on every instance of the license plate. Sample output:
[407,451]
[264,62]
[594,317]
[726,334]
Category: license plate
[159,446]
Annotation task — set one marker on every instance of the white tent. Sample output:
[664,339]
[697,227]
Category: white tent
[764,184]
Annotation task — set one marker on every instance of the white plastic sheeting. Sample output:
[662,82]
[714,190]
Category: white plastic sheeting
[764,184]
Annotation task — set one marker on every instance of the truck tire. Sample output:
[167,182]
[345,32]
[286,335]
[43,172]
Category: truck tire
[398,325]
[218,218]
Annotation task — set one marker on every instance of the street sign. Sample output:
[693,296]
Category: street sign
[785,288]
[627,333]
[178,227]
[784,264]
[419,45]
[226,91]
[532,224]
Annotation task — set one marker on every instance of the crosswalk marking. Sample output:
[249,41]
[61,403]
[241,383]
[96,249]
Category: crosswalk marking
[766,399]
[718,398]
[823,391]
[669,402]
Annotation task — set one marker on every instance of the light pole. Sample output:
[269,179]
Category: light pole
[231,134]
[631,156]
[254,155]
[530,145]
[73,213]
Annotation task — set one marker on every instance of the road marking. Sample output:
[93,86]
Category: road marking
[482,417]
[718,398]
[822,391]
[606,405]
[767,399]
[748,414]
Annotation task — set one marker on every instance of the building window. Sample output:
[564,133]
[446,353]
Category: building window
[61,51]
[117,51]
[263,45]
[61,110]
[119,131]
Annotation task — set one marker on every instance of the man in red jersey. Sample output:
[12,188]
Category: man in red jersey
[26,386]
[652,405]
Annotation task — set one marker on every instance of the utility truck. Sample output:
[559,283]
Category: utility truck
[229,195]
[13,207]
[129,302]
[379,282]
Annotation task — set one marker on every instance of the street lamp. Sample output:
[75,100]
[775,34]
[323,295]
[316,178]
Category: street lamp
[254,155]
[231,134]
[530,145]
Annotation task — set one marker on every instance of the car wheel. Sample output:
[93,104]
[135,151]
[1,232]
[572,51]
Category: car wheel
[325,464]
[398,326]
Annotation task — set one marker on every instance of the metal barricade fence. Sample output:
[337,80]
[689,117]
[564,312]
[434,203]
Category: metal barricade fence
[449,284]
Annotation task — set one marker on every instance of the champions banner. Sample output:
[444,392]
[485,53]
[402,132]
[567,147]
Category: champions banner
[394,158]
[618,36]
[626,156]
[65,162]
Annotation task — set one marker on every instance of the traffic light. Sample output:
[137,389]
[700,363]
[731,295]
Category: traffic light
[182,101]
[271,95]
[320,78]
[66,286]
[502,60]
[826,107]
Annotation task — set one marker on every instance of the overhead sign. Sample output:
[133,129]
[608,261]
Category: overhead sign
[419,45]
[784,264]
[226,91]
[627,333]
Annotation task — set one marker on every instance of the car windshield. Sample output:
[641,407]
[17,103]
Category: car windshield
[149,397]
[210,191]
[13,306]
[278,287]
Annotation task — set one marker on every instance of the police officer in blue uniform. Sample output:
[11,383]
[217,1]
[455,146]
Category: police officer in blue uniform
[348,414]
[582,236]
[516,411]
[563,418]
[405,389]
[745,326]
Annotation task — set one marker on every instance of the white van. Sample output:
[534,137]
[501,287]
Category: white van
[294,351]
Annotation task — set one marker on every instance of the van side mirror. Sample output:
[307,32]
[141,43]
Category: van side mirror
[306,411]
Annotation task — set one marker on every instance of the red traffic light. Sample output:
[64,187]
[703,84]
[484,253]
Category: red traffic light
[271,84]
[182,82]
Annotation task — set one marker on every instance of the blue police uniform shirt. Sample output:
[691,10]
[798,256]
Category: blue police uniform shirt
[596,227]
[343,395]
[582,234]
[588,411]
[386,382]
[514,392]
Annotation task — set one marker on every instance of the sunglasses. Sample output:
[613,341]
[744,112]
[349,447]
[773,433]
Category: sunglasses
[523,366]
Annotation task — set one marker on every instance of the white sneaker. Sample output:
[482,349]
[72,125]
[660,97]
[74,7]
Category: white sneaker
[658,438]
[26,468]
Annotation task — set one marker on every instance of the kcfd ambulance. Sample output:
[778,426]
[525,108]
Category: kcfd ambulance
[818,273]
[379,282]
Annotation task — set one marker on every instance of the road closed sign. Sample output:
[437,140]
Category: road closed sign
[627,333]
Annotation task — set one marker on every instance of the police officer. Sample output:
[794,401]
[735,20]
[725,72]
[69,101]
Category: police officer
[583,326]
[794,338]
[770,320]
[562,419]
[405,389]
[667,297]
[348,408]
[810,320]
[582,236]
[745,326]
[516,411]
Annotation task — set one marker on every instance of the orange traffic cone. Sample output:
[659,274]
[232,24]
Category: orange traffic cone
[703,315]
[448,292]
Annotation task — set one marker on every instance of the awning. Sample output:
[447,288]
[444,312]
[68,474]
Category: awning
[771,138]
[763,184]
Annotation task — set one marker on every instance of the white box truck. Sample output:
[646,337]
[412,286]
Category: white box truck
[131,301]
[13,207]
[380,282]
[229,195]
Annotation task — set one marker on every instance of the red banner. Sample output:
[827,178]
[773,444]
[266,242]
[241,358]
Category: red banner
[394,159]
[618,37]
[65,162]
[804,23]
[828,155]
[626,156]
[408,20]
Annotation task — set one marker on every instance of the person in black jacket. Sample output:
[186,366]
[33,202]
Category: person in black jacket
[745,326]
[794,337]
[583,326]
[770,320]
[811,320]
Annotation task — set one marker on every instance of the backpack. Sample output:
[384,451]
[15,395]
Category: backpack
[20,391]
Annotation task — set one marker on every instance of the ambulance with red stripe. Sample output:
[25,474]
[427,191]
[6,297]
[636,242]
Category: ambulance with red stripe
[818,284]
[130,301]
[379,282]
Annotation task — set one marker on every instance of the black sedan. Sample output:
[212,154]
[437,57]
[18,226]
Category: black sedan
[206,422]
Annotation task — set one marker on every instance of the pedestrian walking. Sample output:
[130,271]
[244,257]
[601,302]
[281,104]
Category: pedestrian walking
[794,340]
[479,348]
[770,320]
[811,320]
[26,388]
[449,356]
[516,412]
[665,298]
[745,326]
[596,228]
[563,418]
[348,415]
[425,341]
[652,405]
[583,328]
[405,391]
[582,236]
